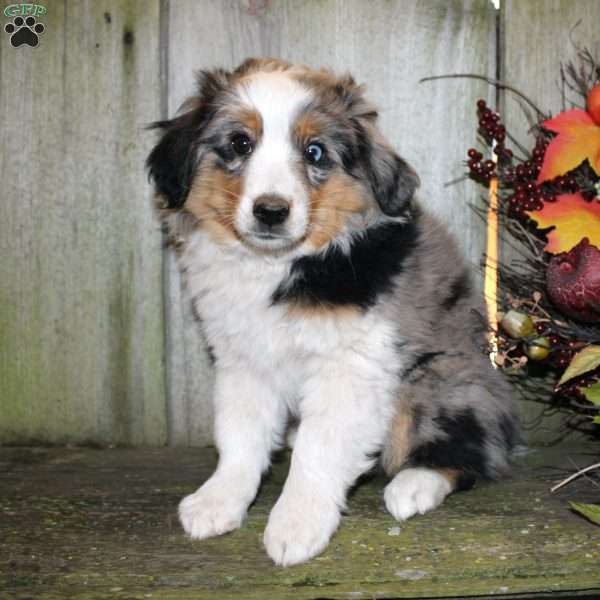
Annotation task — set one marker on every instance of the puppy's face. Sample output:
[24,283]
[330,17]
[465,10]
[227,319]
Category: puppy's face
[277,156]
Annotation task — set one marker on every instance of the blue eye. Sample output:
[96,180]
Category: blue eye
[314,153]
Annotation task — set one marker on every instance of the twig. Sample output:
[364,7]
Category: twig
[585,476]
[491,81]
[574,476]
[455,180]
[582,406]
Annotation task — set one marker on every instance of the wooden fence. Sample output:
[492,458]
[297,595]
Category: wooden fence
[97,340]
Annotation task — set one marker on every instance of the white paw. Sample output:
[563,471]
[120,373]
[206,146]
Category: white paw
[299,528]
[413,491]
[212,510]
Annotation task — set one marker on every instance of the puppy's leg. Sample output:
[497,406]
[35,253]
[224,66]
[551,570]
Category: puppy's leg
[342,424]
[437,447]
[249,421]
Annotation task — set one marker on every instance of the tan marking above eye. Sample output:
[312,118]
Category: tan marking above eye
[307,127]
[252,120]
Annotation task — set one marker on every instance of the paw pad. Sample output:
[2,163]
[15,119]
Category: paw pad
[24,31]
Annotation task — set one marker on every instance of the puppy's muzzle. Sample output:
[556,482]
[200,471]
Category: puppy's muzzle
[271,210]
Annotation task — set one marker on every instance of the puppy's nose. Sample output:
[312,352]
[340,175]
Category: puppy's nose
[271,209]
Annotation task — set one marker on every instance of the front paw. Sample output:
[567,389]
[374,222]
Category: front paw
[299,528]
[212,510]
[415,491]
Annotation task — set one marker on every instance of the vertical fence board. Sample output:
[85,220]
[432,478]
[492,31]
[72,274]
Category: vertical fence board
[81,295]
[389,45]
[81,314]
[536,37]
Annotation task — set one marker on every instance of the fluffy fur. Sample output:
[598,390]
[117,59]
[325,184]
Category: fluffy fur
[326,295]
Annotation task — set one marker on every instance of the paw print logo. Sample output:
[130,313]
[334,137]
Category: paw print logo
[24,31]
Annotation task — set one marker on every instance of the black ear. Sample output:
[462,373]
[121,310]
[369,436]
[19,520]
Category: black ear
[173,161]
[393,180]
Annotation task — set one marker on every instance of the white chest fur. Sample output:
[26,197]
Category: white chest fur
[232,292]
[337,374]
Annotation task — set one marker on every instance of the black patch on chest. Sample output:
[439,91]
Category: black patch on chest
[359,277]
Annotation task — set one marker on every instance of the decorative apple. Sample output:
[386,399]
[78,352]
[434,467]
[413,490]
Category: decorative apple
[593,103]
[573,282]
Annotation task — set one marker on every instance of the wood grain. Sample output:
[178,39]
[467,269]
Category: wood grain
[99,343]
[81,310]
[390,46]
[536,37]
[507,540]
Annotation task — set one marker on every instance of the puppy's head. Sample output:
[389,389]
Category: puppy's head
[277,155]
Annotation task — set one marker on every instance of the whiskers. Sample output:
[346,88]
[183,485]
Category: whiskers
[220,190]
[227,192]
[328,220]
[206,203]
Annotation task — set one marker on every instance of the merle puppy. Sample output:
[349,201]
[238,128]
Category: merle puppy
[327,295]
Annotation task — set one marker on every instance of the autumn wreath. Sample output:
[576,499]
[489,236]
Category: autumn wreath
[546,199]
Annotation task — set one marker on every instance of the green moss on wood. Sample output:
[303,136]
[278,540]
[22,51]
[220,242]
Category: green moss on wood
[102,524]
[81,312]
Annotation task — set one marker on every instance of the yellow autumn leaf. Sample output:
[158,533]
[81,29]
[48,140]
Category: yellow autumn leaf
[585,360]
[578,139]
[572,218]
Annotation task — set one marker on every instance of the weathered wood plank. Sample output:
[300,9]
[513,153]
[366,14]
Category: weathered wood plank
[536,37]
[389,45]
[101,524]
[81,319]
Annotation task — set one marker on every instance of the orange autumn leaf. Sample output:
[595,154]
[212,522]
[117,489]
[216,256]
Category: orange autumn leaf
[578,139]
[572,218]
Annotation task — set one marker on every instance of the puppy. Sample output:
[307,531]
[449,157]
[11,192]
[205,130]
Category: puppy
[328,295]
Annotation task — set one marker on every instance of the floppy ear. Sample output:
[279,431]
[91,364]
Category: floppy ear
[173,161]
[392,179]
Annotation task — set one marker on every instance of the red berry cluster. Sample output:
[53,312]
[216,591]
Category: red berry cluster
[492,129]
[571,183]
[490,125]
[480,170]
[562,354]
[526,194]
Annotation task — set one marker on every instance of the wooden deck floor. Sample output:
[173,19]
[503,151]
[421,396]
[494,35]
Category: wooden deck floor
[84,523]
